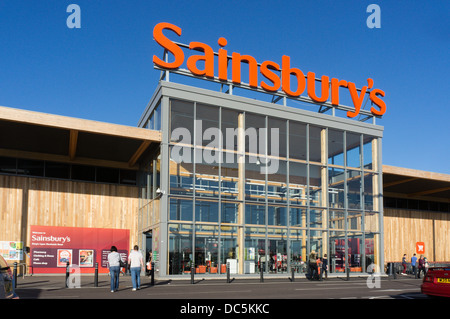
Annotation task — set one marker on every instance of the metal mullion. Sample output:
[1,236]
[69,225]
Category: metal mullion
[308,220]
[363,206]
[288,215]
[325,193]
[266,118]
[194,166]
[346,264]
[220,150]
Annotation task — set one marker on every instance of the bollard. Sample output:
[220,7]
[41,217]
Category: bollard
[67,275]
[96,275]
[15,275]
[293,274]
[152,274]
[228,273]
[261,275]
[348,273]
[192,273]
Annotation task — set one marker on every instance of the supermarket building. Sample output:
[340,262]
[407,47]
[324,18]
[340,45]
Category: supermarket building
[209,178]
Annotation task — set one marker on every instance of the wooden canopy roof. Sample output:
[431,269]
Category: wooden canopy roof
[35,135]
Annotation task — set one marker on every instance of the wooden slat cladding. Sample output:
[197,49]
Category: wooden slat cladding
[26,201]
[403,228]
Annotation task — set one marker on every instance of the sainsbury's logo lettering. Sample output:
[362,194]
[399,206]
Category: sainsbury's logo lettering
[272,81]
[50,239]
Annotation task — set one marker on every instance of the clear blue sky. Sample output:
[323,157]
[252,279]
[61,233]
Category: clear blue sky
[103,71]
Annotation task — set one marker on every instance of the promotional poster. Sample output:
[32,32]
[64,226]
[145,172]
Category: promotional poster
[53,247]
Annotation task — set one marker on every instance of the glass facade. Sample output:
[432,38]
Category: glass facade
[251,190]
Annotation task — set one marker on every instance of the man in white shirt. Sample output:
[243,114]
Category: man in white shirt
[136,263]
[114,268]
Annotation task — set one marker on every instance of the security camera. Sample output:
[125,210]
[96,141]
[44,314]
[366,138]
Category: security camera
[159,192]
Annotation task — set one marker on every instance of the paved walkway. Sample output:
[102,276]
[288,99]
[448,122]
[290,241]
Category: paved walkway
[273,287]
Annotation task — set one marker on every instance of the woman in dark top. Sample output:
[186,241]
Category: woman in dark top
[325,266]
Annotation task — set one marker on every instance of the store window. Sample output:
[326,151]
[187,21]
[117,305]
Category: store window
[277,139]
[181,118]
[335,147]
[355,246]
[298,250]
[369,249]
[255,138]
[181,257]
[255,180]
[255,250]
[336,250]
[277,215]
[229,248]
[255,214]
[206,249]
[315,150]
[229,124]
[337,219]
[207,125]
[181,209]
[368,152]
[315,185]
[368,190]
[353,148]
[336,187]
[277,183]
[229,212]
[277,246]
[317,241]
[207,211]
[181,171]
[297,183]
[354,220]
[316,218]
[229,176]
[297,140]
[354,188]
[297,216]
[206,179]
[154,122]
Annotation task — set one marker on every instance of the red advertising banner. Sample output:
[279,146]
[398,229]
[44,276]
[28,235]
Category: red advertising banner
[52,247]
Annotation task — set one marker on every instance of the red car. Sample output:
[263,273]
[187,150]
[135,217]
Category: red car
[437,282]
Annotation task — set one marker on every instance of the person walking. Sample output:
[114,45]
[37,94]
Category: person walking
[114,268]
[426,265]
[325,266]
[312,265]
[404,264]
[136,263]
[421,266]
[319,268]
[413,264]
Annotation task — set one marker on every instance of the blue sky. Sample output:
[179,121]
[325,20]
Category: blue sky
[103,71]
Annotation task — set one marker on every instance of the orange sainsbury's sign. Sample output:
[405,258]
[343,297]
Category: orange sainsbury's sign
[272,82]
